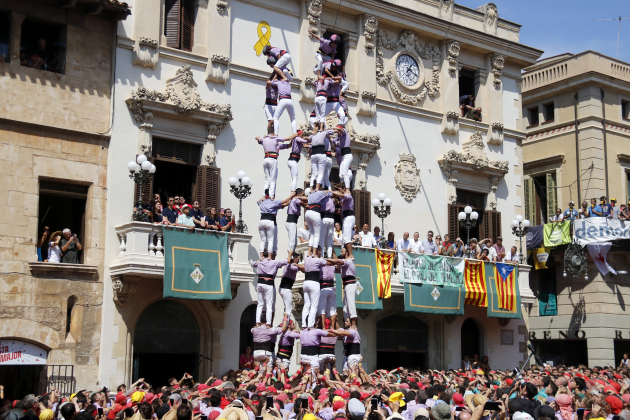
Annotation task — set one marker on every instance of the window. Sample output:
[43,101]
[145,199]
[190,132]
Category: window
[362,208]
[43,46]
[179,24]
[489,221]
[62,206]
[5,37]
[549,112]
[72,300]
[468,86]
[541,198]
[341,45]
[625,109]
[467,83]
[532,114]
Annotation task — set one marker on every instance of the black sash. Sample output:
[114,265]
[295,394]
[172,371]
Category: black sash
[272,155]
[352,348]
[266,346]
[348,280]
[328,215]
[325,348]
[326,284]
[292,218]
[294,157]
[322,93]
[347,213]
[268,216]
[284,97]
[318,150]
[286,283]
[310,350]
[270,101]
[345,151]
[266,279]
[332,99]
[315,207]
[312,275]
[285,352]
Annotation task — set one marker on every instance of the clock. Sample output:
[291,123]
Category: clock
[407,70]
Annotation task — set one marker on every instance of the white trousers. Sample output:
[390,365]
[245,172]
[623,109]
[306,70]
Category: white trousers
[349,301]
[283,363]
[287,299]
[311,303]
[283,61]
[312,121]
[270,168]
[275,239]
[261,355]
[326,239]
[351,361]
[325,359]
[283,104]
[344,169]
[327,169]
[312,361]
[293,167]
[270,110]
[336,106]
[318,168]
[320,61]
[327,302]
[320,109]
[347,229]
[292,231]
[314,222]
[266,230]
[266,297]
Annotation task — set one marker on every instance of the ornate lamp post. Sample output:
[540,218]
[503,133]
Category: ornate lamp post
[468,220]
[382,208]
[241,187]
[519,228]
[141,171]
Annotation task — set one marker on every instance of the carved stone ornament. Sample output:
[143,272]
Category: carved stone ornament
[503,321]
[407,176]
[298,301]
[218,69]
[145,52]
[221,305]
[222,7]
[307,90]
[314,11]
[367,104]
[369,31]
[450,318]
[495,133]
[498,62]
[409,43]
[473,157]
[446,8]
[122,290]
[453,57]
[363,313]
[450,123]
[181,92]
[490,17]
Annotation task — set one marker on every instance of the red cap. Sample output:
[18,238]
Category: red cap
[217,382]
[364,395]
[616,386]
[272,389]
[201,387]
[404,386]
[609,388]
[509,381]
[601,382]
[282,397]
[458,399]
[120,398]
[615,404]
[287,386]
[214,414]
[338,404]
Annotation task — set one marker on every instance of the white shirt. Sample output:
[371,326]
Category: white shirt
[367,239]
[557,218]
[54,253]
[416,246]
[492,253]
[338,236]
[510,257]
[304,234]
[402,244]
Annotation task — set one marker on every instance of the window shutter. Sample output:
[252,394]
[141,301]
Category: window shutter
[176,151]
[147,187]
[453,221]
[187,24]
[485,225]
[362,208]
[552,195]
[207,188]
[171,23]
[496,225]
[530,201]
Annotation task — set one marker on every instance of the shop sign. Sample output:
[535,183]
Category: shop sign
[15,352]
[546,335]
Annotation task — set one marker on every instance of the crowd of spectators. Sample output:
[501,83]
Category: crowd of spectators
[63,246]
[603,209]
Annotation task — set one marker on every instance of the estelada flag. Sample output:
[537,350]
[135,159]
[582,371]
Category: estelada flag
[506,285]
[384,261]
[475,282]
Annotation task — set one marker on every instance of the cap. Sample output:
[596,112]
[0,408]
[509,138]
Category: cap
[544,411]
[356,410]
[398,396]
[613,199]
[137,397]
[421,411]
[603,197]
[616,405]
[521,415]
[441,411]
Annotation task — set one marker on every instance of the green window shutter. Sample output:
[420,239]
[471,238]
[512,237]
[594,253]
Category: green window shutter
[552,195]
[530,201]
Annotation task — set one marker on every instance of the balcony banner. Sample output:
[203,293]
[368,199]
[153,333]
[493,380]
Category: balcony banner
[432,299]
[600,230]
[503,290]
[196,265]
[557,234]
[367,280]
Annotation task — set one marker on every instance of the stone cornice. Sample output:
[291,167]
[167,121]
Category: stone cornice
[571,84]
[550,160]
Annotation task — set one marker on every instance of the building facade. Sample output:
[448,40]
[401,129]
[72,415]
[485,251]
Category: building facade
[575,108]
[189,92]
[56,77]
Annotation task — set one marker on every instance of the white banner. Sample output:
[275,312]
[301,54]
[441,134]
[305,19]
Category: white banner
[600,229]
[15,352]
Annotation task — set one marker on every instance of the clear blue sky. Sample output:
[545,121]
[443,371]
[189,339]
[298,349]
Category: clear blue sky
[559,26]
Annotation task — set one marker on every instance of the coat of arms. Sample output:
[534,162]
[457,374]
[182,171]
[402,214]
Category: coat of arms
[196,274]
[407,176]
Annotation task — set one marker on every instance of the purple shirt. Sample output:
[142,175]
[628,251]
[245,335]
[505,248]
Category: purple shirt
[347,203]
[275,52]
[338,155]
[294,206]
[264,334]
[284,87]
[324,45]
[334,89]
[313,264]
[270,143]
[352,338]
[288,338]
[329,340]
[271,92]
[328,205]
[323,84]
[298,143]
[327,272]
[348,269]
[344,139]
[317,197]
[270,206]
[321,138]
[269,267]
[312,337]
[290,271]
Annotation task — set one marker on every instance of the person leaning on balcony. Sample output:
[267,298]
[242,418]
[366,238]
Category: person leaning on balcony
[170,214]
[158,218]
[429,244]
[70,247]
[512,257]
[475,251]
[227,221]
[457,248]
[146,206]
[212,219]
[585,211]
[570,213]
[197,214]
[447,246]
[54,251]
[558,217]
[596,209]
[499,249]
[185,219]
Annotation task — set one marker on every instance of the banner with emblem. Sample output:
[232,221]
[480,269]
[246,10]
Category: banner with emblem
[432,299]
[367,280]
[196,265]
[504,298]
[434,270]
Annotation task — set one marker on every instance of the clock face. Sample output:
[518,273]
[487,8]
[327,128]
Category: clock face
[407,70]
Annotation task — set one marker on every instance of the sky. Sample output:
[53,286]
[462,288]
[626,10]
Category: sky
[560,26]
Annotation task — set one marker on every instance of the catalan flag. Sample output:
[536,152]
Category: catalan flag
[475,282]
[506,285]
[384,261]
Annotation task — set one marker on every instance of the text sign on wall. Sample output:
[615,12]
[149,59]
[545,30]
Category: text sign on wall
[15,352]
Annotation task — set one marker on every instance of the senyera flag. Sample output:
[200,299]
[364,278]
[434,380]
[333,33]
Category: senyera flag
[475,282]
[384,261]
[506,285]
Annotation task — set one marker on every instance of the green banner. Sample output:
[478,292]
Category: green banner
[433,299]
[547,303]
[435,270]
[367,277]
[555,234]
[196,265]
[493,283]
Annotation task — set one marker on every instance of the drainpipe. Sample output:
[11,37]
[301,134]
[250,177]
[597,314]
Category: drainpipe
[577,147]
[605,148]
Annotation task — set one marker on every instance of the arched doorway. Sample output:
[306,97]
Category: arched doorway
[401,341]
[166,343]
[248,321]
[471,339]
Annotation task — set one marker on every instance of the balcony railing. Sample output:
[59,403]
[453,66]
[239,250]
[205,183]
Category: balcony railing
[142,252]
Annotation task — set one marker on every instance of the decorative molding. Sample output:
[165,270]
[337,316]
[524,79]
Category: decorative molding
[450,318]
[498,62]
[549,133]
[181,97]
[369,31]
[495,133]
[363,313]
[492,195]
[452,49]
[218,69]
[450,123]
[314,11]
[407,176]
[298,302]
[221,305]
[410,45]
[122,290]
[222,6]
[209,150]
[367,104]
[451,184]
[445,9]
[146,52]
[490,18]
[503,321]
[308,90]
[71,271]
[472,158]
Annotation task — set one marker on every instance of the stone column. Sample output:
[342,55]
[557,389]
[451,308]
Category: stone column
[450,86]
[365,65]
[591,142]
[16,36]
[146,27]
[218,40]
[493,110]
[145,134]
[201,22]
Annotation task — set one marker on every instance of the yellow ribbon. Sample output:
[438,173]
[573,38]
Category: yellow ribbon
[263,38]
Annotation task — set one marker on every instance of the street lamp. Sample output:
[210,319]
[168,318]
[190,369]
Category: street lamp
[241,187]
[382,208]
[519,228]
[141,171]
[468,220]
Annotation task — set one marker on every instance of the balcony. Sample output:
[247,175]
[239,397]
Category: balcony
[142,253]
